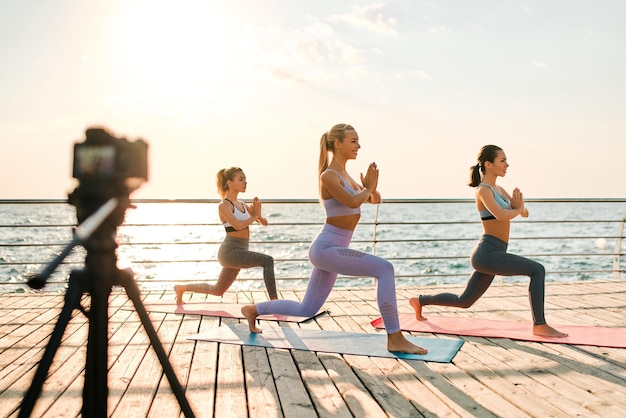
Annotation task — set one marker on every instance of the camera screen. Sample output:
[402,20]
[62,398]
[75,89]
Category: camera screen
[94,161]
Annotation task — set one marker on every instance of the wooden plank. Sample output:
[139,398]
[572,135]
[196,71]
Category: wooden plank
[352,390]
[514,386]
[127,396]
[180,356]
[262,396]
[203,370]
[599,396]
[230,398]
[294,399]
[410,387]
[325,396]
[380,387]
[465,395]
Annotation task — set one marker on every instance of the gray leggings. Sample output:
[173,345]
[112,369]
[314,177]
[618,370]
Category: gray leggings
[489,258]
[233,255]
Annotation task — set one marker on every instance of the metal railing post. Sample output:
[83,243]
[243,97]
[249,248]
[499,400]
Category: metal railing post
[617,260]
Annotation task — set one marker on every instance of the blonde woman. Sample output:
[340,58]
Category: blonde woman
[233,255]
[342,198]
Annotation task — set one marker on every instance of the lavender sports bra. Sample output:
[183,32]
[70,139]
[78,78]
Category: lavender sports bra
[334,208]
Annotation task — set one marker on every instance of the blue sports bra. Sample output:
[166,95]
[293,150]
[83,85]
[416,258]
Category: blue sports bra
[501,200]
[241,216]
[334,208]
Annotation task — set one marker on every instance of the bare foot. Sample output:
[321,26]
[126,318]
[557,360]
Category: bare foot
[398,342]
[250,312]
[179,289]
[415,303]
[546,330]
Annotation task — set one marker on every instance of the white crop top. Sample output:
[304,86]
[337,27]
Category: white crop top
[239,215]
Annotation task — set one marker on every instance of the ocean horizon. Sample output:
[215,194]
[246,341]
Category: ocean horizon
[428,243]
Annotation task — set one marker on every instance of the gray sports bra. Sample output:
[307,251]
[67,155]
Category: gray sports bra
[501,199]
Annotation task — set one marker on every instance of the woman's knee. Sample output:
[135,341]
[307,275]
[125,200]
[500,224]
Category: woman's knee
[386,268]
[310,311]
[464,304]
[538,272]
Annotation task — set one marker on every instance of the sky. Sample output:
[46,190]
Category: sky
[212,84]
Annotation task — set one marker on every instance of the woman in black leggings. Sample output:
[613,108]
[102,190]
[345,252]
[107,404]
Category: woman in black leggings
[234,254]
[489,257]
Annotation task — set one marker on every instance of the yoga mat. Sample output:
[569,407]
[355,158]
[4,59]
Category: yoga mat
[440,350]
[225,310]
[515,330]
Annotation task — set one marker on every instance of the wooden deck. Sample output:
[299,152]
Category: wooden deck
[488,377]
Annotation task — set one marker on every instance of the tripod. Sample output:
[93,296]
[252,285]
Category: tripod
[98,277]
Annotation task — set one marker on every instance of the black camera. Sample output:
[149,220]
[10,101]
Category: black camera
[105,157]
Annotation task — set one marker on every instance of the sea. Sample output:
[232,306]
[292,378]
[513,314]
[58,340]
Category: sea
[428,242]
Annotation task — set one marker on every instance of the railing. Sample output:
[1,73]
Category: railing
[427,240]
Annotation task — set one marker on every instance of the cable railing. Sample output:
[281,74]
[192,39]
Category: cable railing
[427,240]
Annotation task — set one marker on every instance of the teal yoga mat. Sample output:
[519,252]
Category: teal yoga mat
[440,350]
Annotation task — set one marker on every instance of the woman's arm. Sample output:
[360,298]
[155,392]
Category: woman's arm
[332,186]
[485,196]
[226,214]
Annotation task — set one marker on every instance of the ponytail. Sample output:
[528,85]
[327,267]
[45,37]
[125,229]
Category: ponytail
[475,176]
[323,162]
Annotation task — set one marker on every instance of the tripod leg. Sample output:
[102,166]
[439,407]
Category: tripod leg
[96,389]
[132,290]
[71,301]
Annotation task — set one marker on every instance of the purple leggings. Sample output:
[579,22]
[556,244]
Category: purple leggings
[330,256]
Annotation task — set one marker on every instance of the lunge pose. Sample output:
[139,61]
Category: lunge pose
[489,257]
[342,198]
[233,254]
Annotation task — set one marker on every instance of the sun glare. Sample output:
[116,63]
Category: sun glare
[168,53]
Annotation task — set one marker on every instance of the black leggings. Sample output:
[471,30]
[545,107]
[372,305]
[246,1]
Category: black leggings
[488,258]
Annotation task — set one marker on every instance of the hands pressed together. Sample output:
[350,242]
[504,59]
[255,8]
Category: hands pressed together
[255,211]
[517,202]
[370,180]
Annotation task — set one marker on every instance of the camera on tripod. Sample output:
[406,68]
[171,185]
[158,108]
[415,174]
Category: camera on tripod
[107,167]
[108,170]
[103,157]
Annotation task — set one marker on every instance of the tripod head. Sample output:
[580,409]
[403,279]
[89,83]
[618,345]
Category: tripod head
[108,169]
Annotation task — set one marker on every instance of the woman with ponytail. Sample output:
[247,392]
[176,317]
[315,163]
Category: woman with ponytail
[342,198]
[233,254]
[489,257]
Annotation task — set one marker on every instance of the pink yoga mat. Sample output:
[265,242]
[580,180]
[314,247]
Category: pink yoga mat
[225,310]
[515,330]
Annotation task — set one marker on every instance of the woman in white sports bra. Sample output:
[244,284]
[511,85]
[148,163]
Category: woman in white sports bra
[330,254]
[233,255]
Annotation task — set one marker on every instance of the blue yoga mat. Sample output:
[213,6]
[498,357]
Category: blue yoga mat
[440,350]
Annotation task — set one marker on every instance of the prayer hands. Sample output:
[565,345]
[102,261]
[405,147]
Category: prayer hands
[370,180]
[255,211]
[517,202]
